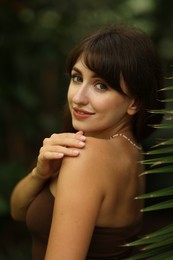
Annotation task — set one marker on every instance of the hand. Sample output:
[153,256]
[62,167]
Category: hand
[54,149]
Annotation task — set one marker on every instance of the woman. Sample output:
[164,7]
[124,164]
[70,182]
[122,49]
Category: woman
[84,207]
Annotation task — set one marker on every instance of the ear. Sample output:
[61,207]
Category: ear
[133,107]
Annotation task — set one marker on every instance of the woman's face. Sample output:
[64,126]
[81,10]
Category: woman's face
[96,108]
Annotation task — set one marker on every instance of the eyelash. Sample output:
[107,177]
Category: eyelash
[105,87]
[76,76]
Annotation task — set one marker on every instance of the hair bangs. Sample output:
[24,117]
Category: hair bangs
[103,62]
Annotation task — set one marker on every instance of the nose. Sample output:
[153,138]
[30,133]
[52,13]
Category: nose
[81,95]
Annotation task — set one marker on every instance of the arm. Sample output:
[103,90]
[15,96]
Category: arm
[78,199]
[49,161]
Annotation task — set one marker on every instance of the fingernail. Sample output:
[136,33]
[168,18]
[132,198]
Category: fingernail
[81,144]
[75,152]
[60,155]
[82,138]
[80,132]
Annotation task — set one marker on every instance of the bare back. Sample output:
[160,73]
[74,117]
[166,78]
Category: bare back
[122,183]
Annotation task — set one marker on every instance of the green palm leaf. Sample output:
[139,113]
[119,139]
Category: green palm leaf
[159,244]
[162,111]
[167,255]
[163,126]
[155,236]
[162,242]
[148,254]
[162,205]
[167,100]
[161,151]
[156,252]
[167,88]
[165,143]
[165,169]
[159,193]
[159,160]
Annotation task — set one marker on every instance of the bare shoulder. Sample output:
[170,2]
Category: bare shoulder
[80,174]
[101,157]
[89,168]
[93,156]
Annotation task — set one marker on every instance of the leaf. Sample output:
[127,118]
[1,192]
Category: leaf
[162,242]
[161,111]
[147,254]
[155,194]
[158,245]
[167,88]
[167,255]
[162,205]
[159,160]
[150,240]
[155,237]
[161,151]
[165,231]
[163,126]
[165,142]
[165,169]
[167,100]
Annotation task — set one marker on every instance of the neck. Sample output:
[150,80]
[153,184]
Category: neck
[128,139]
[107,133]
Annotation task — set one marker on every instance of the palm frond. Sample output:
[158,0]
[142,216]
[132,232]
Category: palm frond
[165,169]
[159,193]
[161,151]
[162,242]
[167,100]
[162,205]
[155,236]
[164,142]
[153,254]
[167,88]
[159,160]
[164,250]
[163,126]
[158,245]
[161,111]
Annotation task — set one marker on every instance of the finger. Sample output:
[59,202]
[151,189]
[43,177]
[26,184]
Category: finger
[52,155]
[56,156]
[71,152]
[67,142]
[79,133]
[81,136]
[58,151]
[63,136]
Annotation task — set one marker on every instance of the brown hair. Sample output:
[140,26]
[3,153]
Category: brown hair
[125,50]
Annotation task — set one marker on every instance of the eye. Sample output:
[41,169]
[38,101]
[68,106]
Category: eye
[76,78]
[101,86]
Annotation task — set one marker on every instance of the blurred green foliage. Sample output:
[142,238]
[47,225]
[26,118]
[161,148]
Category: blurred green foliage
[35,38]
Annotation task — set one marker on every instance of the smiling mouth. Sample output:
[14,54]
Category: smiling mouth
[81,114]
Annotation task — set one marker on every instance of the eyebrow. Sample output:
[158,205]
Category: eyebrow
[94,75]
[76,69]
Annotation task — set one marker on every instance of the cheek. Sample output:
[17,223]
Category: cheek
[115,109]
[111,104]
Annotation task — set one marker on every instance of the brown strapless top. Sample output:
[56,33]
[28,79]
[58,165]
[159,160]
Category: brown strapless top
[106,243]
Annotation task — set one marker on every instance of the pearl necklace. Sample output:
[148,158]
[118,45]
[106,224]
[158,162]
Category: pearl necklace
[128,139]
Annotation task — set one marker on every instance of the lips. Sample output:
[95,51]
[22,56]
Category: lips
[81,114]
